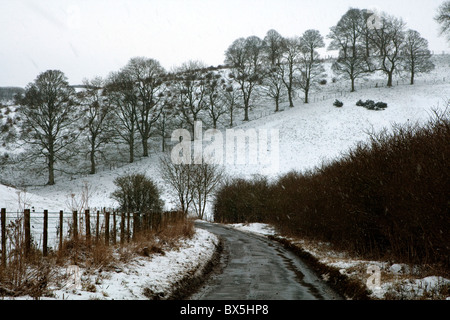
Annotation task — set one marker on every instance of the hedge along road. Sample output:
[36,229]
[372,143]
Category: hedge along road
[256,268]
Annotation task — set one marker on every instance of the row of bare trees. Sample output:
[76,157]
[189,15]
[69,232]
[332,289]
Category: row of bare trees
[142,100]
[366,42]
[275,66]
[369,42]
[129,107]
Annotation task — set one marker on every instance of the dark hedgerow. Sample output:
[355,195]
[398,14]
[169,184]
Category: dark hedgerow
[385,199]
[240,200]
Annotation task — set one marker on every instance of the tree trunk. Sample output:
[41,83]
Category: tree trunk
[353,85]
[51,162]
[412,77]
[51,170]
[389,84]
[131,145]
[92,156]
[246,112]
[246,104]
[307,90]
[231,118]
[164,133]
[145,147]
[291,103]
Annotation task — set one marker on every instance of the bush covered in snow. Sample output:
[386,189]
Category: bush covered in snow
[371,105]
[338,103]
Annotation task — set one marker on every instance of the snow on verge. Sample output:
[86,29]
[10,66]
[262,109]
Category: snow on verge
[258,228]
[157,274]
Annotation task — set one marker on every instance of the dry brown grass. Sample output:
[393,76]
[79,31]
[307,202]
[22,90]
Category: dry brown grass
[32,275]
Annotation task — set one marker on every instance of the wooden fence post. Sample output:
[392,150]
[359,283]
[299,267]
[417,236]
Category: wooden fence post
[128,227]
[88,226]
[75,225]
[26,227]
[45,236]
[114,235]
[122,227]
[3,224]
[97,227]
[61,222]
[107,228]
[135,225]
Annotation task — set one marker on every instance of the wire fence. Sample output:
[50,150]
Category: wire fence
[48,231]
[342,90]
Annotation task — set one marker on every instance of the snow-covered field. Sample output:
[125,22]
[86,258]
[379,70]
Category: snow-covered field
[157,274]
[309,134]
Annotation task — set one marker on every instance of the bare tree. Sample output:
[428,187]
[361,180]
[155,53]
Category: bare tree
[165,121]
[98,118]
[205,179]
[443,18]
[231,97]
[215,102]
[388,40]
[289,66]
[120,92]
[245,57]
[193,184]
[309,63]
[179,178]
[348,36]
[189,86]
[274,46]
[50,116]
[416,55]
[147,77]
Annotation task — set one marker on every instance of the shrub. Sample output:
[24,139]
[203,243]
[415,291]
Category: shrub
[371,105]
[360,103]
[137,193]
[381,105]
[323,82]
[338,103]
[240,200]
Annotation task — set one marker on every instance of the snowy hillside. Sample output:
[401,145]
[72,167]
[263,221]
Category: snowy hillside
[308,135]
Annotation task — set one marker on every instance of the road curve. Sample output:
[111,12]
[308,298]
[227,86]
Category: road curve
[256,268]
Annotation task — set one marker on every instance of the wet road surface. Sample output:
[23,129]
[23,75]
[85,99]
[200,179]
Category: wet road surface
[256,268]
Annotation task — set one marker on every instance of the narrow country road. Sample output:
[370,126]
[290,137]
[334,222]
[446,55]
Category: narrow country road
[256,268]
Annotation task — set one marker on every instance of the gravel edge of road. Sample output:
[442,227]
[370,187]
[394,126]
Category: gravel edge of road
[194,280]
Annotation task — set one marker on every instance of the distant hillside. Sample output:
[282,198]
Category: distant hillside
[7,93]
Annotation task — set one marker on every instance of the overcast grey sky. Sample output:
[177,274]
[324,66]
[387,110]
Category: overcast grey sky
[92,38]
